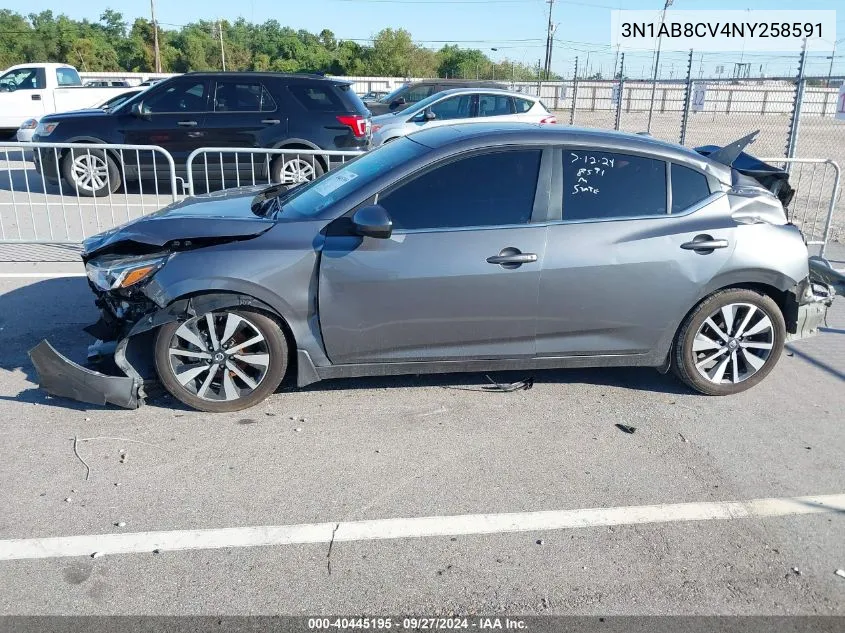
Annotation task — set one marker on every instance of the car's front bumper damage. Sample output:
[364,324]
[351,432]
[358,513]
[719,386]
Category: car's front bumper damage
[60,376]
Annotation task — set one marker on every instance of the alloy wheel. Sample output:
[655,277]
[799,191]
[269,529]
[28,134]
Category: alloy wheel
[297,171]
[90,172]
[219,356]
[733,343]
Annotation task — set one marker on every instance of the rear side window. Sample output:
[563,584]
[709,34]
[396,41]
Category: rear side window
[493,105]
[491,189]
[317,98]
[232,96]
[688,188]
[522,105]
[600,185]
[68,77]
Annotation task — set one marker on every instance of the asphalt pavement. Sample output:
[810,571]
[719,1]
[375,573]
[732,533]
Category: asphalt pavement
[440,447]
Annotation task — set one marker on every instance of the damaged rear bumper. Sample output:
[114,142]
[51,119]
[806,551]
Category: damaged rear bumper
[60,376]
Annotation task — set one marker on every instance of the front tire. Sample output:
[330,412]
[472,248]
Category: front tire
[731,341]
[90,172]
[221,361]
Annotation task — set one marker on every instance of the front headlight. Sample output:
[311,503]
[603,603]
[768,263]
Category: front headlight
[29,124]
[46,129]
[111,273]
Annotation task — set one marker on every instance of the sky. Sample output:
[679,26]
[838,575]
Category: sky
[515,28]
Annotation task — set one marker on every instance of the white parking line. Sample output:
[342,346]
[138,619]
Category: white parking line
[141,542]
[38,275]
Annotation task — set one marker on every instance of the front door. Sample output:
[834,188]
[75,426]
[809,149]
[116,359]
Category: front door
[459,277]
[619,271]
[174,118]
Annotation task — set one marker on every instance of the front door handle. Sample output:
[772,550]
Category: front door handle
[704,244]
[187,123]
[36,97]
[511,257]
[271,121]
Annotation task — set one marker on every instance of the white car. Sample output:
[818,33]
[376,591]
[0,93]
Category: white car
[461,105]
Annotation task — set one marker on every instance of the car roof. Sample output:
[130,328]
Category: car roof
[259,73]
[486,134]
[486,91]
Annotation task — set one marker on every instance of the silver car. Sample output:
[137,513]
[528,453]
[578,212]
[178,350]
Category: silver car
[460,105]
[459,248]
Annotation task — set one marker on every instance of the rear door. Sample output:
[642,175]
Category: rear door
[243,114]
[458,279]
[617,278]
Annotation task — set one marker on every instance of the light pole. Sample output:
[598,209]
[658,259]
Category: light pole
[656,65]
[493,63]
[831,58]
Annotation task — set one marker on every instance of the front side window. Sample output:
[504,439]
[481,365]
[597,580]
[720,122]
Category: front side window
[22,79]
[418,93]
[599,185]
[491,189]
[689,187]
[494,105]
[179,96]
[68,77]
[452,108]
[232,96]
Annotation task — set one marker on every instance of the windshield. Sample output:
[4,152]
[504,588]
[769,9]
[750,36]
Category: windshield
[306,201]
[390,96]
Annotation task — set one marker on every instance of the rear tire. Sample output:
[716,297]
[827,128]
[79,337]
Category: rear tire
[730,342]
[295,169]
[90,172]
[220,370]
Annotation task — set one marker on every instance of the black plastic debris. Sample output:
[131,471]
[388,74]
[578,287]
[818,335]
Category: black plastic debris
[524,385]
[627,429]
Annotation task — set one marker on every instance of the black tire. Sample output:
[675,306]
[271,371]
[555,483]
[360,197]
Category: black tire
[106,180]
[685,358]
[276,348]
[294,169]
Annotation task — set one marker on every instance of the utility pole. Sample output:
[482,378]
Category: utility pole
[656,65]
[222,48]
[549,35]
[831,58]
[155,37]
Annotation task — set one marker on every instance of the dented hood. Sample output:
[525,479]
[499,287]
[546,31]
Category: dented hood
[221,215]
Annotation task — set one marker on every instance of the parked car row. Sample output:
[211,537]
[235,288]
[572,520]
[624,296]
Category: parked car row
[254,110]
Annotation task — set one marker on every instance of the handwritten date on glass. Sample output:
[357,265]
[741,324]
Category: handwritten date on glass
[583,174]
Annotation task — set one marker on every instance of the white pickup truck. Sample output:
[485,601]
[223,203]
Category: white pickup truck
[29,91]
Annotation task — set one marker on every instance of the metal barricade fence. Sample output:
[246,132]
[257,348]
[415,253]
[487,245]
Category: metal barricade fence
[216,168]
[816,208]
[46,188]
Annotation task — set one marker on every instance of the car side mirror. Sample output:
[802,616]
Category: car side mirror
[372,221]
[139,111]
[397,102]
[429,115]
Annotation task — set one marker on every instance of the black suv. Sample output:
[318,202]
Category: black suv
[209,109]
[409,94]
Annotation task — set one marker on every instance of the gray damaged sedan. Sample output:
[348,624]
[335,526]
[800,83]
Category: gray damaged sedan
[460,248]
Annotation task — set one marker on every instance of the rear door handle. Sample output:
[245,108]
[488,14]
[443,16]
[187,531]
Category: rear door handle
[36,97]
[704,244]
[271,121]
[187,123]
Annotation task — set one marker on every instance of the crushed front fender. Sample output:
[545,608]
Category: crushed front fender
[60,376]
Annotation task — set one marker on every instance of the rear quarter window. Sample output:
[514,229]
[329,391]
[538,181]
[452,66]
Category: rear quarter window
[689,187]
[522,105]
[318,98]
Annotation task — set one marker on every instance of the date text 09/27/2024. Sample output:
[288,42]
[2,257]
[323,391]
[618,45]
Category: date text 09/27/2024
[416,623]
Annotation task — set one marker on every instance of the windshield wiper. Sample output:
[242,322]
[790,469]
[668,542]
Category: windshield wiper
[264,202]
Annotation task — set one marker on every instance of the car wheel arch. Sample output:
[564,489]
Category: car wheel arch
[90,140]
